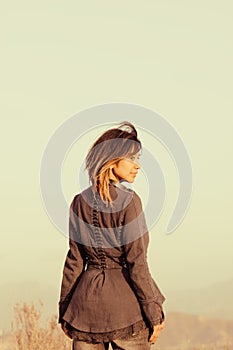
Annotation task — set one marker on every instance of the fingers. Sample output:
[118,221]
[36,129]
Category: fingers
[157,330]
[154,337]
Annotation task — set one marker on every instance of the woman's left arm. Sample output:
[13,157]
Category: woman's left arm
[135,239]
[74,263]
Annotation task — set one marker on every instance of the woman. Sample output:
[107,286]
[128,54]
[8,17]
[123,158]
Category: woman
[107,293]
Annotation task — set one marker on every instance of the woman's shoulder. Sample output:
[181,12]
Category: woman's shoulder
[132,198]
[127,198]
[84,196]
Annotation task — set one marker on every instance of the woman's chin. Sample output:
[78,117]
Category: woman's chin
[130,180]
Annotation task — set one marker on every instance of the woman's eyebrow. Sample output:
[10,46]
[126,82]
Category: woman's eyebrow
[136,154]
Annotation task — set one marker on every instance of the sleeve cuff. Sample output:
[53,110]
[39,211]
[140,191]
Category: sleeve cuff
[154,313]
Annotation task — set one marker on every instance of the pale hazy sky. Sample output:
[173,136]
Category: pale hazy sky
[174,57]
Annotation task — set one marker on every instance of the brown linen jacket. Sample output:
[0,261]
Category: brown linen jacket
[106,283]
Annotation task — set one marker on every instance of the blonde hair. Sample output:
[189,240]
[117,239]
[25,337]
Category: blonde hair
[112,146]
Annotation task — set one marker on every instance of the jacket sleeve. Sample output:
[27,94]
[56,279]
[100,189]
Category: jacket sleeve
[74,263]
[136,239]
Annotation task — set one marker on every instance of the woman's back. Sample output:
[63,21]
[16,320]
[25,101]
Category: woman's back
[104,298]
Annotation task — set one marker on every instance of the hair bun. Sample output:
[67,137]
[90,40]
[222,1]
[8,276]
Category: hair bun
[128,127]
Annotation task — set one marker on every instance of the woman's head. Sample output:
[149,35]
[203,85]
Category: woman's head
[113,156]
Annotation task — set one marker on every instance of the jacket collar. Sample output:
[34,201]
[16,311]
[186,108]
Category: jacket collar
[117,184]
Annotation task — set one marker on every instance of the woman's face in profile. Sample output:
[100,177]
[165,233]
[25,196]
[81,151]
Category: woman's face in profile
[127,168]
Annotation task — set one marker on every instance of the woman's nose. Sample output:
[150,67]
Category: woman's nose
[136,164]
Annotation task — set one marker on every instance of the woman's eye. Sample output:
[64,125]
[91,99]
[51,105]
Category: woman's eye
[134,158]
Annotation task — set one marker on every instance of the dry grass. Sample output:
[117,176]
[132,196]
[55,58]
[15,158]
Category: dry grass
[30,334]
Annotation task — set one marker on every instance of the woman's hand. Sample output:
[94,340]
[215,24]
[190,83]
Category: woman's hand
[156,331]
[65,330]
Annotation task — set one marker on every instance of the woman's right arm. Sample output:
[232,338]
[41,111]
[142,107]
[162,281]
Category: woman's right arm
[74,263]
[136,239]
